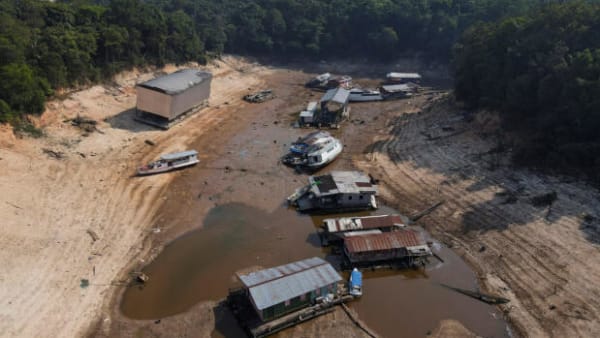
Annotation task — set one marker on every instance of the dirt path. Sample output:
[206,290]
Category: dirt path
[544,259]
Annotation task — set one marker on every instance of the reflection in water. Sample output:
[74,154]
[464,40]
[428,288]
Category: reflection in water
[201,266]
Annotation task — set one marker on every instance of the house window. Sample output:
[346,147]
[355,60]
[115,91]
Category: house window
[360,197]
[349,197]
[287,303]
[303,297]
[318,292]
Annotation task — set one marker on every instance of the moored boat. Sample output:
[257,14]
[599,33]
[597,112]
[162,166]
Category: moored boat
[364,95]
[168,162]
[313,150]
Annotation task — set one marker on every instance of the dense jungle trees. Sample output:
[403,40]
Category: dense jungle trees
[536,61]
[541,71]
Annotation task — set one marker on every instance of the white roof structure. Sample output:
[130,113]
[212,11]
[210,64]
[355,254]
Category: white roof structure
[394,75]
[178,81]
[344,182]
[276,285]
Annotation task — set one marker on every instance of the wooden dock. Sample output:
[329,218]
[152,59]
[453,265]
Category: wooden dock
[297,317]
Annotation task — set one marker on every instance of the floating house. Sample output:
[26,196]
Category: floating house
[286,288]
[399,91]
[167,99]
[337,191]
[335,229]
[394,77]
[406,245]
[334,107]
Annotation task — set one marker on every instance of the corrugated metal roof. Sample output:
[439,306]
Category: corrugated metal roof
[177,82]
[276,285]
[337,95]
[174,156]
[385,241]
[362,223]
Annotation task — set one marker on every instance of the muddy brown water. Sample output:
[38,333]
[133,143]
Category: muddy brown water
[200,266]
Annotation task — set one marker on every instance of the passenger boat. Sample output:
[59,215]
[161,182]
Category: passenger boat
[364,95]
[170,162]
[313,150]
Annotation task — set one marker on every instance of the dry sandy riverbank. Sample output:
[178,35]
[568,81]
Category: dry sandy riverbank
[544,259]
[47,205]
[543,262]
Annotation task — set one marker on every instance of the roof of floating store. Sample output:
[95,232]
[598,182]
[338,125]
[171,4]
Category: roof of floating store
[275,285]
[337,95]
[384,241]
[177,82]
[394,75]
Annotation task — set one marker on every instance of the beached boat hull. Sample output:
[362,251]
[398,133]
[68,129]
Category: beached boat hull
[144,171]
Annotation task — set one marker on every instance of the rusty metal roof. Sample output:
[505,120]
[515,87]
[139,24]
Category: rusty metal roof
[385,241]
[275,285]
[362,223]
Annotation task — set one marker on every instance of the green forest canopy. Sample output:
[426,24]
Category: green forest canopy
[46,45]
[541,71]
[535,61]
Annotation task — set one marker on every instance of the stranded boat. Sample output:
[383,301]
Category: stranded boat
[364,95]
[170,162]
[338,191]
[313,150]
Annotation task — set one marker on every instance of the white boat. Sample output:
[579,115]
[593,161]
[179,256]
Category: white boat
[364,95]
[313,150]
[168,162]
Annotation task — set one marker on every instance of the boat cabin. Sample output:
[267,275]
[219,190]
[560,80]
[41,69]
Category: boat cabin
[403,244]
[337,191]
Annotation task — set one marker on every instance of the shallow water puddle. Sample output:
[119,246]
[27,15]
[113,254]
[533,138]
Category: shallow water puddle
[200,266]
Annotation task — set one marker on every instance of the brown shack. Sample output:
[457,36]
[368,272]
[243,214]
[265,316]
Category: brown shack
[403,244]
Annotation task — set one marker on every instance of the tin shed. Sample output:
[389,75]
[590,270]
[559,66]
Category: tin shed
[277,291]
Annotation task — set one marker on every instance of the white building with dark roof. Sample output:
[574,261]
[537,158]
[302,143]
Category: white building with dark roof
[164,99]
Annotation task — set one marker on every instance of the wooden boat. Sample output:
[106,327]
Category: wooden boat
[170,162]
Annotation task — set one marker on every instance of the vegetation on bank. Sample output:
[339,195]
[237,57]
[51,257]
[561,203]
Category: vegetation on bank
[541,72]
[48,45]
[535,61]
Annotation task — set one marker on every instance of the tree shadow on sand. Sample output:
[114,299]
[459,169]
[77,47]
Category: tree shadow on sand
[126,120]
